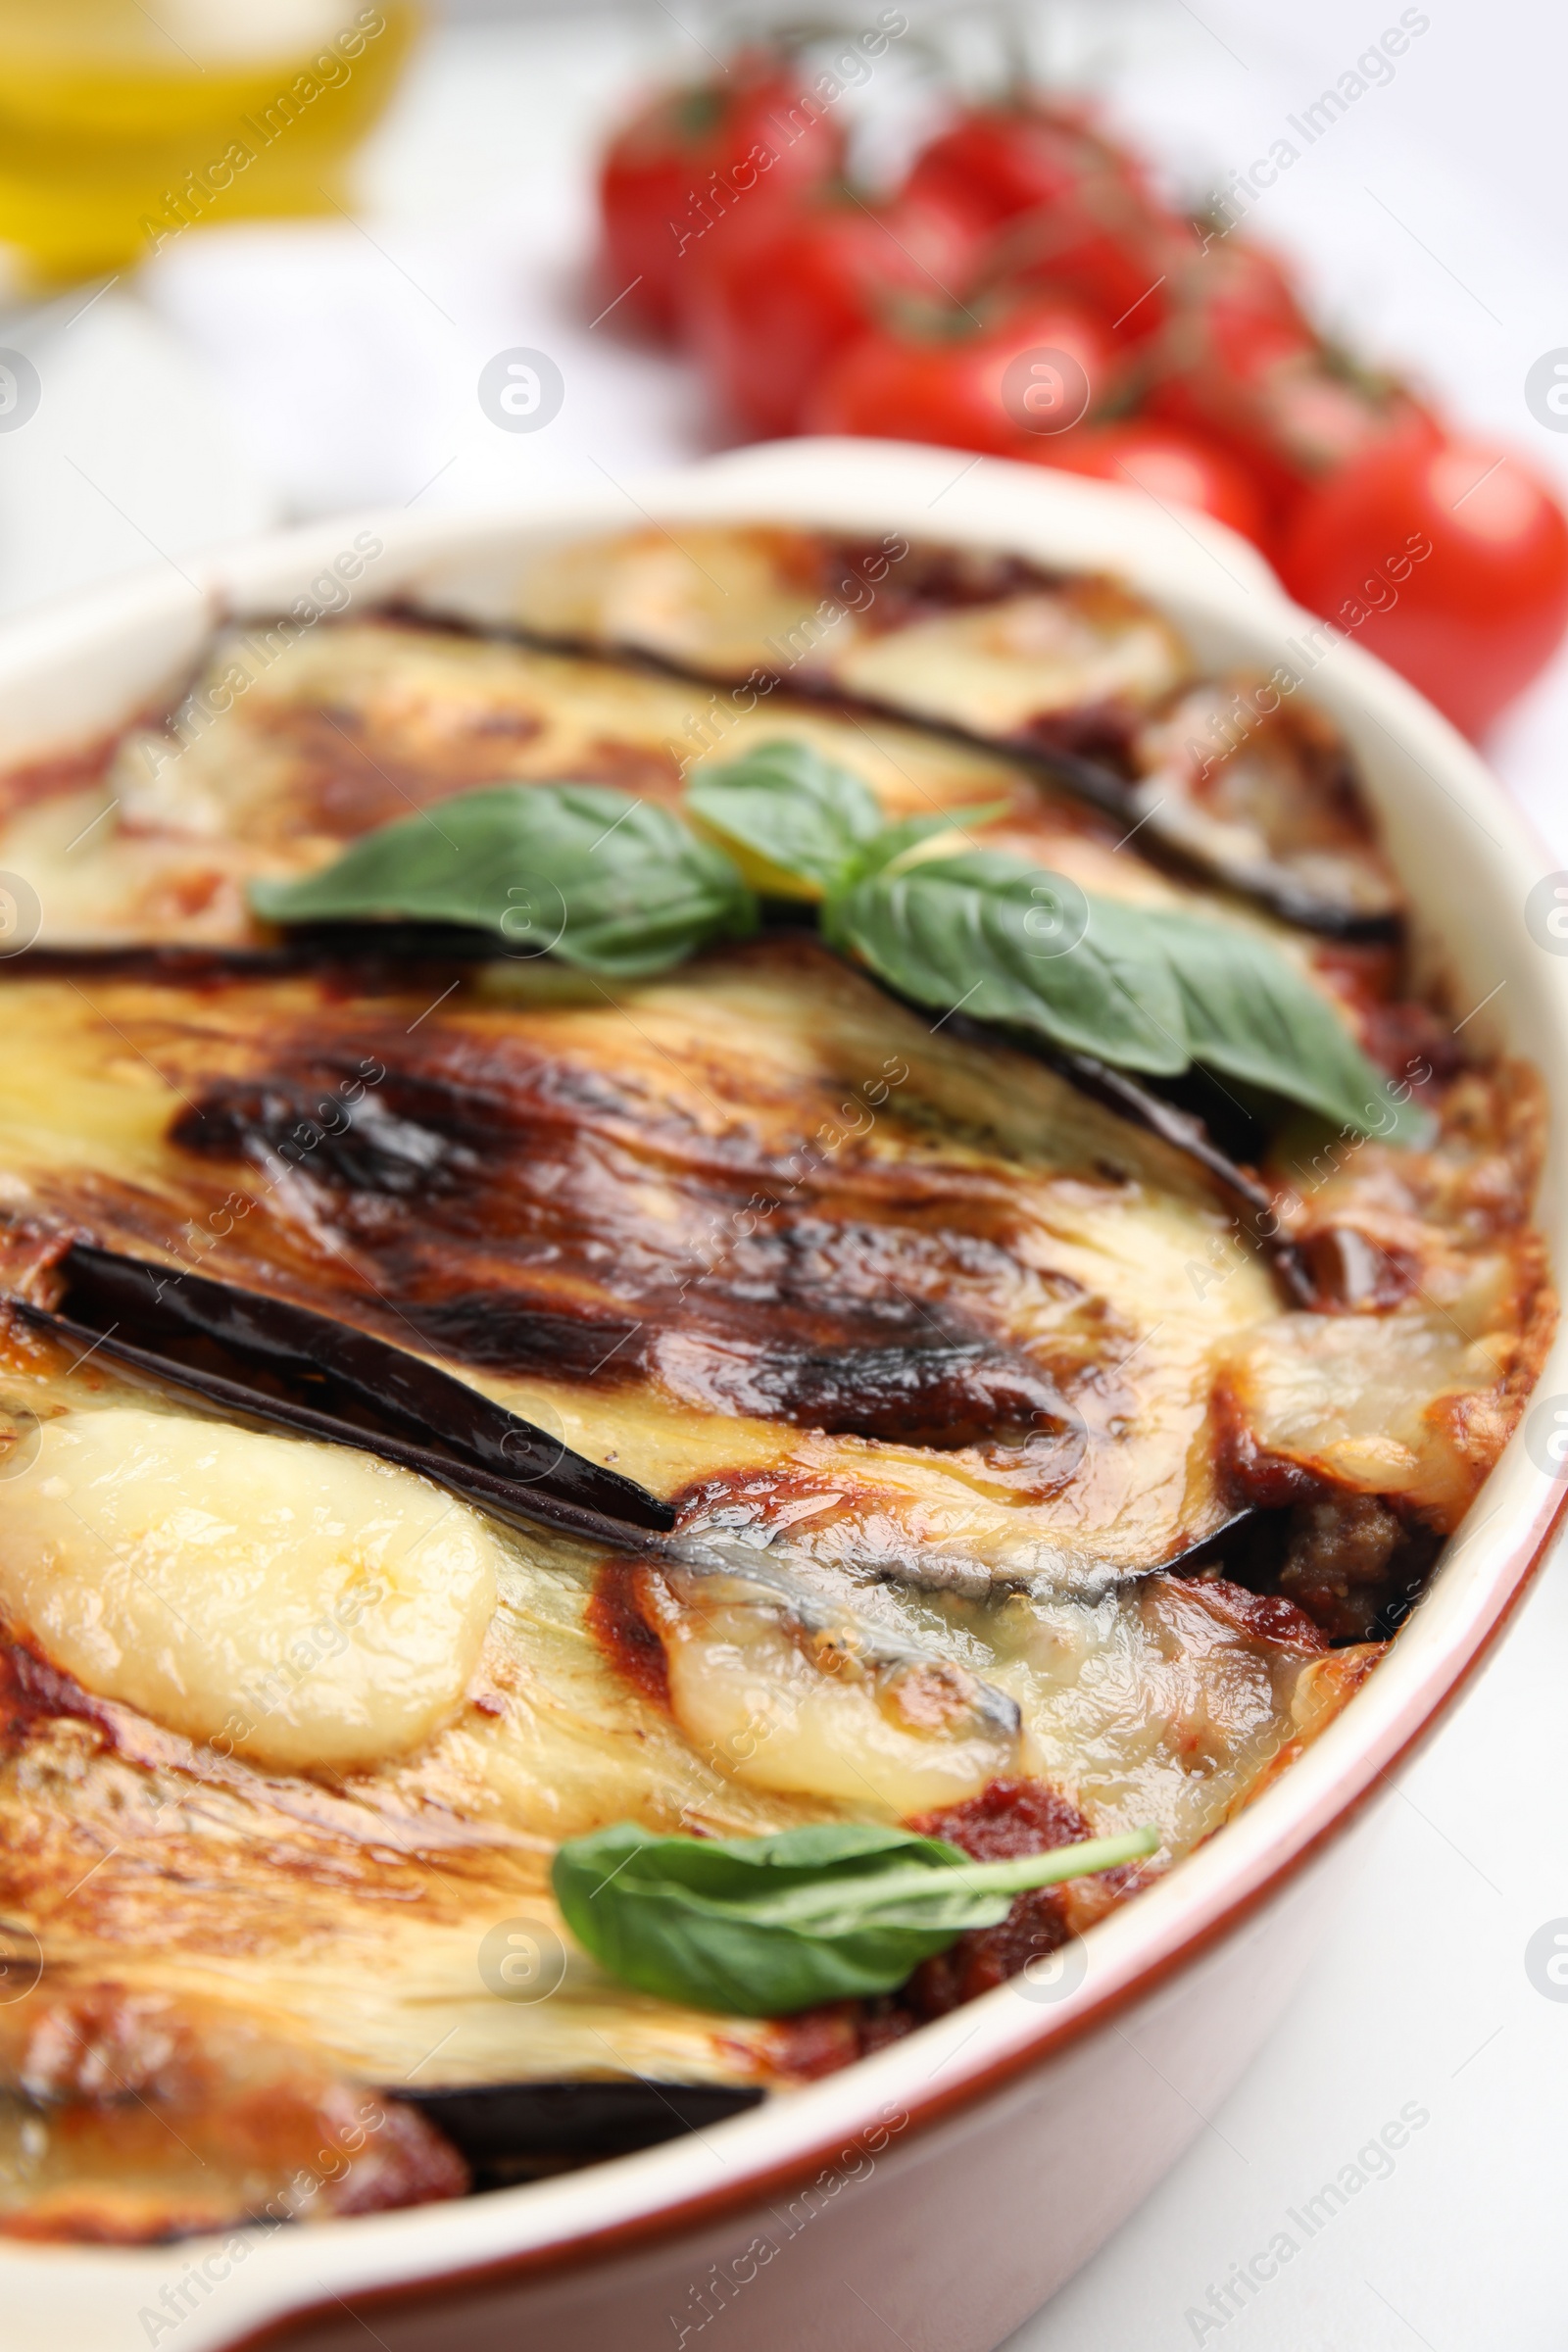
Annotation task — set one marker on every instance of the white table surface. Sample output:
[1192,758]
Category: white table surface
[258,371]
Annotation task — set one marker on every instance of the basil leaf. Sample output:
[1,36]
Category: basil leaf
[1253,1015]
[582,871]
[764,1926]
[992,935]
[804,820]
[895,841]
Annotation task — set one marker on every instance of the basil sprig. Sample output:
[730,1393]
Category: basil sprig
[582,871]
[801,822]
[1009,941]
[618,885]
[804,828]
[761,1927]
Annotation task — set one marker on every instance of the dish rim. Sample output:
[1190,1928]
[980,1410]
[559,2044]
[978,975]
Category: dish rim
[1213,584]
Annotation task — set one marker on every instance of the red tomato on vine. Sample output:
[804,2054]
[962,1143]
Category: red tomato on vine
[693,160]
[1447,558]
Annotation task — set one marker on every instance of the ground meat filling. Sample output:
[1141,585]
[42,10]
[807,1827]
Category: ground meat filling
[1011,1817]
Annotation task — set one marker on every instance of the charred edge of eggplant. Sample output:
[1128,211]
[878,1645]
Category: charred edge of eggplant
[355,948]
[1186,1133]
[530,1501]
[344,1371]
[1087,780]
[1180,1129]
[512,2130]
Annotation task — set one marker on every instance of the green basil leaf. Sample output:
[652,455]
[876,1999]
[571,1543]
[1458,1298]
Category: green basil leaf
[1252,1015]
[1005,941]
[582,871]
[765,1926]
[895,841]
[804,820]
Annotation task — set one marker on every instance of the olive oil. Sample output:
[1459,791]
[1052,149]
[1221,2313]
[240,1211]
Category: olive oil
[122,125]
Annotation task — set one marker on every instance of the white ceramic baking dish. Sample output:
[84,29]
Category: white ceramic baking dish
[936,2194]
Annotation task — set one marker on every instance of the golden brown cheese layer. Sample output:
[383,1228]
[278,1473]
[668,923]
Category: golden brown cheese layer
[759,1235]
[347,1930]
[282,1947]
[991,642]
[707,1162]
[752,1230]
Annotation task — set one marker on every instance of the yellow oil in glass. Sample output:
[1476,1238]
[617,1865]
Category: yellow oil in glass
[123,124]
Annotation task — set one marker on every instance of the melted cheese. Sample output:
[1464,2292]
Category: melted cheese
[727,601]
[997,670]
[355,1913]
[761,1137]
[296,1604]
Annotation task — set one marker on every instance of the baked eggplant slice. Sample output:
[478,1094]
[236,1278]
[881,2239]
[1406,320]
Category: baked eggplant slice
[753,1230]
[1073,675]
[290,745]
[285,1364]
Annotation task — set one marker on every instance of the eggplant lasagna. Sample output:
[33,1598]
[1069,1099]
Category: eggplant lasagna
[968,1432]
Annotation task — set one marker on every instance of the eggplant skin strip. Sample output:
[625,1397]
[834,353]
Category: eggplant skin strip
[498,2126]
[508,1499]
[343,1373]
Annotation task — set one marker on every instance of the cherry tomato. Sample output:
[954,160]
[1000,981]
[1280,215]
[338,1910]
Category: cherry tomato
[1228,296]
[1177,468]
[769,308]
[692,163]
[1099,245]
[1446,557]
[1066,207]
[995,385]
[996,162]
[1289,409]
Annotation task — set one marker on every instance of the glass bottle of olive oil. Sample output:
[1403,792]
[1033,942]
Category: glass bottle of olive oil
[122,124]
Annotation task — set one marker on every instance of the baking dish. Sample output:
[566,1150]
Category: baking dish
[944,2188]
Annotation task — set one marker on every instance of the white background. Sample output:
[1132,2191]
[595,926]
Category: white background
[253,372]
